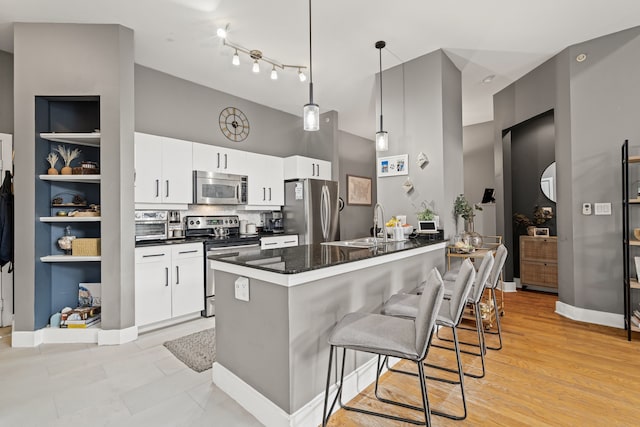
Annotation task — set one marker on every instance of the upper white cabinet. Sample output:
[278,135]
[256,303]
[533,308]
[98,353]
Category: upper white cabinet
[163,170]
[296,167]
[217,159]
[265,180]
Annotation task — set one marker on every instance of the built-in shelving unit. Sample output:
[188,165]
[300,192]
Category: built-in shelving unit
[628,240]
[59,273]
[91,139]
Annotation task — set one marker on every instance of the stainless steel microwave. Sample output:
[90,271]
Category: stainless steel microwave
[211,188]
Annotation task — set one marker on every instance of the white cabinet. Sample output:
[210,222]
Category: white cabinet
[296,167]
[169,282]
[163,170]
[273,242]
[217,159]
[265,180]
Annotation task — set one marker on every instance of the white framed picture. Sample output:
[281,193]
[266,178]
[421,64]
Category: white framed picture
[637,261]
[393,165]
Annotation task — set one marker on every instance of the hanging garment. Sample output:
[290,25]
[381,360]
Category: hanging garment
[6,222]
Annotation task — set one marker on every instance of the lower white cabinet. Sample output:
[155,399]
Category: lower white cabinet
[169,281]
[273,242]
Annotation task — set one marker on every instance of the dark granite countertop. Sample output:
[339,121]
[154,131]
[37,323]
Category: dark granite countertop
[298,259]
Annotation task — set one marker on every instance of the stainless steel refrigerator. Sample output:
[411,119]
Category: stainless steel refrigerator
[311,210]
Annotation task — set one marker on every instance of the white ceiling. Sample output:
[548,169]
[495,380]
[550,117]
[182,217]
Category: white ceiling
[505,38]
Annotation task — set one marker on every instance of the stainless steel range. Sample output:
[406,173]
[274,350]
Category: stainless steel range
[222,237]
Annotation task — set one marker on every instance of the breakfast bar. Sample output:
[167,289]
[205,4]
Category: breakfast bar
[275,309]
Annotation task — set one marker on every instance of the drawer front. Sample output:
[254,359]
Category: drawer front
[187,250]
[538,248]
[273,242]
[153,254]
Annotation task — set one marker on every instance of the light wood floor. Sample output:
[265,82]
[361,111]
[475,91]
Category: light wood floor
[551,372]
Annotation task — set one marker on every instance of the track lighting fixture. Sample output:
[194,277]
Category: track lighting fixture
[257,56]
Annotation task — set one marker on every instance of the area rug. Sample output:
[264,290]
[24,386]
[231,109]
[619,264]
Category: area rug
[197,351]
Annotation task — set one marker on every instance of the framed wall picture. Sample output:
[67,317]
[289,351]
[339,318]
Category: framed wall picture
[393,165]
[358,190]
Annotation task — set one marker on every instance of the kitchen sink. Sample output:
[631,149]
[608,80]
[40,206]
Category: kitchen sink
[362,242]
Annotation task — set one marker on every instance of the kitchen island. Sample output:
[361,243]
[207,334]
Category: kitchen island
[272,351]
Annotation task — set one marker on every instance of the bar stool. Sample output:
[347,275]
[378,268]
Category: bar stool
[388,336]
[474,298]
[449,315]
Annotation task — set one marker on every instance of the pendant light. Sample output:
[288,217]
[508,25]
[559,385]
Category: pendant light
[311,112]
[382,137]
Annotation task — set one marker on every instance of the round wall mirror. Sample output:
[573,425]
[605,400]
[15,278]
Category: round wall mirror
[548,182]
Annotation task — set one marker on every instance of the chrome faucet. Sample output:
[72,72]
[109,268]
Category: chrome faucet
[376,219]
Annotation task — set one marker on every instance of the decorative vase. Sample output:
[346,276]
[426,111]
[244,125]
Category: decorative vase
[66,170]
[531,230]
[474,239]
[52,171]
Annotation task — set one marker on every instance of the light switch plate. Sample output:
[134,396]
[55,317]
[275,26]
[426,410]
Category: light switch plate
[602,208]
[242,288]
[586,209]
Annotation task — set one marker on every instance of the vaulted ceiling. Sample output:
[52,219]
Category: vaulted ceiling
[503,38]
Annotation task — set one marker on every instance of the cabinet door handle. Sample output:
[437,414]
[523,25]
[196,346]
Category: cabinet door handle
[167,181]
[166,276]
[264,194]
[157,188]
[317,169]
[313,169]
[289,241]
[225,161]
[177,275]
[270,243]
[218,167]
[151,255]
[269,193]
[188,252]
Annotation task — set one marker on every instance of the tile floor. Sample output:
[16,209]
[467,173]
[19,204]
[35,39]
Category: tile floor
[135,384]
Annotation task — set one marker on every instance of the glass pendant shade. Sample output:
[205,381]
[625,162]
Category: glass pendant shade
[236,59]
[302,76]
[382,141]
[256,67]
[274,74]
[311,117]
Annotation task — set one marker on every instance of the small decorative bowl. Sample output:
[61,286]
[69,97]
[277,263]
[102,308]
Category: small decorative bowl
[636,233]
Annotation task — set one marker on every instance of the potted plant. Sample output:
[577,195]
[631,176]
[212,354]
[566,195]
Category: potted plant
[462,208]
[67,156]
[52,158]
[425,214]
[541,216]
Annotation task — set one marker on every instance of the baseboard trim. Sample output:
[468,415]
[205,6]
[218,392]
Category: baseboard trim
[590,316]
[310,415]
[509,287]
[117,336]
[73,336]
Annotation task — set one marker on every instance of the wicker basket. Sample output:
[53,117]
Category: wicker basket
[636,233]
[85,247]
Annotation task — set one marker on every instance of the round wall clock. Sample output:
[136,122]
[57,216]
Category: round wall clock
[234,124]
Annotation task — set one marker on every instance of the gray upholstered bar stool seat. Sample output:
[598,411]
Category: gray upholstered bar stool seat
[388,336]
[449,315]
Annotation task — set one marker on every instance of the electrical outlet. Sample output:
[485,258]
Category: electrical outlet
[603,208]
[586,209]
[242,288]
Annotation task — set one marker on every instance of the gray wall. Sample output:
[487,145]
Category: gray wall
[169,106]
[477,145]
[423,112]
[596,109]
[357,157]
[98,60]
[6,92]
